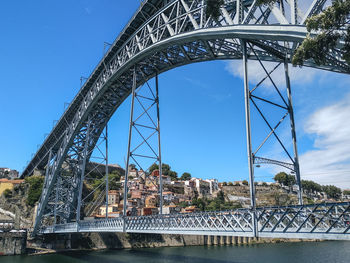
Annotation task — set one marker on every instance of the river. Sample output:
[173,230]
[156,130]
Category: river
[318,252]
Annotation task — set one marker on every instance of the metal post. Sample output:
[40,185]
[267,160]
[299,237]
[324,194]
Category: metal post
[159,151]
[58,185]
[107,179]
[81,183]
[202,15]
[129,144]
[294,137]
[47,168]
[248,131]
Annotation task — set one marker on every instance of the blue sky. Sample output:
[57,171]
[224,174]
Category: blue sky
[46,46]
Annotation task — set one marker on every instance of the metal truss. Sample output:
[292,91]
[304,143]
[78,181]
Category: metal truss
[154,22]
[320,221]
[161,36]
[144,135]
[284,105]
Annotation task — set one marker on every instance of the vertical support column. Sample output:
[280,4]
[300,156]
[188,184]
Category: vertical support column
[82,168]
[58,186]
[202,15]
[107,179]
[47,168]
[294,137]
[293,11]
[129,145]
[249,141]
[159,151]
[239,12]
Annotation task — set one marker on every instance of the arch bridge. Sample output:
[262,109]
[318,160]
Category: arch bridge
[163,35]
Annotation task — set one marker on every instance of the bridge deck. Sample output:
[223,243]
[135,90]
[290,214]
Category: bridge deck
[321,221]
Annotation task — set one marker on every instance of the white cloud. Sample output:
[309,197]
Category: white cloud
[256,73]
[329,161]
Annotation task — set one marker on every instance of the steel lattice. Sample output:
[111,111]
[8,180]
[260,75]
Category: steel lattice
[159,37]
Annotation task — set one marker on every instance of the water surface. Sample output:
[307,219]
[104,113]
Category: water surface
[318,252]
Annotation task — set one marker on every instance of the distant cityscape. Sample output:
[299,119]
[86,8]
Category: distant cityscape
[180,195]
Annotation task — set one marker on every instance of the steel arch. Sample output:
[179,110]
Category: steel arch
[176,34]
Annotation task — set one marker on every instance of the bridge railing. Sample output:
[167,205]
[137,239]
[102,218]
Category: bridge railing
[238,221]
[324,219]
[321,221]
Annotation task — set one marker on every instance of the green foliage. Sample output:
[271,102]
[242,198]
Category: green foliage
[245,182]
[310,186]
[185,176]
[7,193]
[113,181]
[264,184]
[35,188]
[213,8]
[328,24]
[346,192]
[285,179]
[183,204]
[166,170]
[332,191]
[230,184]
[224,183]
[217,204]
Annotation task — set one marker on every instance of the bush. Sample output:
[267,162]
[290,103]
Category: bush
[35,188]
[230,184]
[7,193]
[346,192]
[245,182]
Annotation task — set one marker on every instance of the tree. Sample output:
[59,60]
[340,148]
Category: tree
[35,188]
[230,184]
[166,170]
[332,191]
[332,25]
[7,193]
[213,8]
[185,176]
[245,182]
[113,182]
[346,192]
[285,179]
[311,186]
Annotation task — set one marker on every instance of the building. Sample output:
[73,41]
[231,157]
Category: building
[8,184]
[202,187]
[168,196]
[8,173]
[150,201]
[111,209]
[148,211]
[189,209]
[113,197]
[171,209]
[213,185]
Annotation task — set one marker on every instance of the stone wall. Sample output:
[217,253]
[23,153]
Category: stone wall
[13,243]
[121,240]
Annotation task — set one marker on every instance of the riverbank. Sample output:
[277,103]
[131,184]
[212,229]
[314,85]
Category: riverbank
[59,243]
[13,242]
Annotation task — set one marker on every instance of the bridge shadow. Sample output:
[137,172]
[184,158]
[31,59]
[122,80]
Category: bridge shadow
[113,240]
